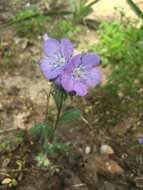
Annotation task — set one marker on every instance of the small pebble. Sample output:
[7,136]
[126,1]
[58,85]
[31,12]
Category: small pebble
[106,149]
[87,150]
[0,106]
[27,5]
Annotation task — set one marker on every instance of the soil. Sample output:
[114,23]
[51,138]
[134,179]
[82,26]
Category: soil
[23,94]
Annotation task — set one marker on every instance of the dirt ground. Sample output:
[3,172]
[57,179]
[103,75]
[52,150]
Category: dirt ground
[107,9]
[105,154]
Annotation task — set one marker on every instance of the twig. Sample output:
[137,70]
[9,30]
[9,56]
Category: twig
[3,171]
[79,185]
[86,122]
[9,130]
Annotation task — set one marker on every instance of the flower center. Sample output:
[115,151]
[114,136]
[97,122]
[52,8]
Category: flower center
[77,72]
[61,61]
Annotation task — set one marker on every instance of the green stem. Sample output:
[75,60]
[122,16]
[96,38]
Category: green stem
[135,8]
[47,105]
[59,111]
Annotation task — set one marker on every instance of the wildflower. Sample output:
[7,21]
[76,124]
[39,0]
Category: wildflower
[57,82]
[81,73]
[56,55]
[140,140]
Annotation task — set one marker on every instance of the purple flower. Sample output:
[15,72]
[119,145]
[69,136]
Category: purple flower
[81,73]
[74,75]
[56,55]
[140,140]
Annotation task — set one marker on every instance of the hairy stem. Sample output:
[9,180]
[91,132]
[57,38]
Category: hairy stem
[47,105]
[59,110]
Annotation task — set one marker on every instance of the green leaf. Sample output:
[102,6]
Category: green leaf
[54,148]
[41,129]
[57,96]
[92,3]
[70,115]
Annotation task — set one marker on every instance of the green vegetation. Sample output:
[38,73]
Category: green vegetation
[64,28]
[112,113]
[81,9]
[29,21]
[120,48]
[32,20]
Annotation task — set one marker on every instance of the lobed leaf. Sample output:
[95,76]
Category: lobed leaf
[70,115]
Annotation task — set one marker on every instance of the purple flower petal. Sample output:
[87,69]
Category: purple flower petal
[67,82]
[51,47]
[80,89]
[57,81]
[74,62]
[75,74]
[80,74]
[66,48]
[140,140]
[89,60]
[55,72]
[92,77]
[50,72]
[70,85]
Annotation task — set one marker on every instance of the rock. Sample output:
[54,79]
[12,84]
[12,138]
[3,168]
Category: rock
[1,106]
[87,150]
[93,164]
[112,168]
[107,167]
[106,150]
